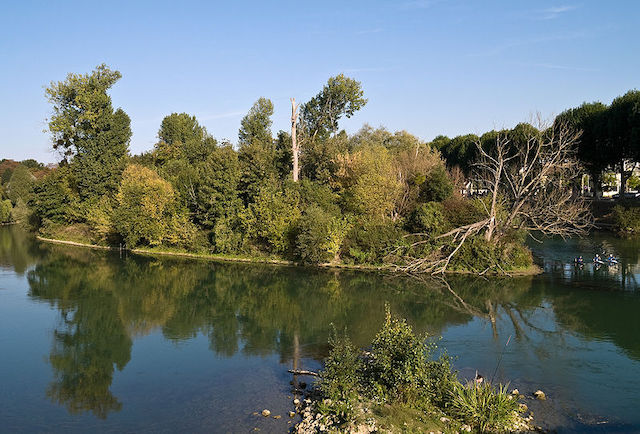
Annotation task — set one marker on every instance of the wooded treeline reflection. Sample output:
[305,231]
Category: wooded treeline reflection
[105,301]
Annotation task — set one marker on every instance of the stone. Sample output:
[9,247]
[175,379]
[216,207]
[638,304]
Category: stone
[523,407]
[296,402]
[292,414]
[466,428]
[277,417]
[539,394]
[266,413]
[515,392]
[444,419]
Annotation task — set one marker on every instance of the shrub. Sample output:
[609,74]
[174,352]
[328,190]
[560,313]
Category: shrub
[437,185]
[398,367]
[54,198]
[147,211]
[483,407]
[5,211]
[627,219]
[340,378]
[319,236]
[459,212]
[428,218]
[226,237]
[272,218]
[478,254]
[98,215]
[370,241]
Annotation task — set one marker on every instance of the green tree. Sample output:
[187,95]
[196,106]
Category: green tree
[20,184]
[85,128]
[182,137]
[256,125]
[367,181]
[460,151]
[5,211]
[54,198]
[147,210]
[623,122]
[341,96]
[590,118]
[216,195]
[272,218]
[319,236]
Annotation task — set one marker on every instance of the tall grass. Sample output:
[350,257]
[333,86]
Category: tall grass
[484,407]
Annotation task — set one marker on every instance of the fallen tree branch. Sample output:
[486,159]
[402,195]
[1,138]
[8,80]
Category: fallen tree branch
[303,372]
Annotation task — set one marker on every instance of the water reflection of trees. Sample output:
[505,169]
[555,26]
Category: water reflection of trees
[18,250]
[105,301]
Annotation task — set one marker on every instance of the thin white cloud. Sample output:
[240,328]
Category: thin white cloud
[556,66]
[499,48]
[554,12]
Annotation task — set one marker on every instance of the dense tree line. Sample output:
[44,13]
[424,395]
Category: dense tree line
[356,199]
[610,140]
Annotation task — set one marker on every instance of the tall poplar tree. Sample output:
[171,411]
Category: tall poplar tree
[88,131]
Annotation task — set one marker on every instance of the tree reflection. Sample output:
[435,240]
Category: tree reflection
[105,301]
[18,249]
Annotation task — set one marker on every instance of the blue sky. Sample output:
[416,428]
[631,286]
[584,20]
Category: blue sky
[427,66]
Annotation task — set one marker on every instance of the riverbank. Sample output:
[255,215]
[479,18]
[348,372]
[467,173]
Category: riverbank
[529,271]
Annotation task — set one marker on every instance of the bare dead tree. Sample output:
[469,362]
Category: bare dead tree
[294,139]
[530,185]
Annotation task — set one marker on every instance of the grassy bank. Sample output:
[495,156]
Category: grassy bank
[163,251]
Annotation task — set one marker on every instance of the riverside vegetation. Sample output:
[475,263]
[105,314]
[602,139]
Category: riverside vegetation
[397,386]
[373,198]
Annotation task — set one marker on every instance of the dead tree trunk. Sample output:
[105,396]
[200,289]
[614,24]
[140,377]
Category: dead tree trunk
[294,140]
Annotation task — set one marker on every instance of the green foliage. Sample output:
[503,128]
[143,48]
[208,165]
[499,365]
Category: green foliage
[461,151]
[314,193]
[227,235]
[460,212]
[319,236]
[428,218]
[340,379]
[483,407]
[258,170]
[54,198]
[5,211]
[478,254]
[366,178]
[273,217]
[147,211]
[255,127]
[85,127]
[99,217]
[216,187]
[634,182]
[437,185]
[20,184]
[341,96]
[627,219]
[398,366]
[370,241]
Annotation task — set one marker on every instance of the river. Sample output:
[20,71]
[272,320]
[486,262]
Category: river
[113,342]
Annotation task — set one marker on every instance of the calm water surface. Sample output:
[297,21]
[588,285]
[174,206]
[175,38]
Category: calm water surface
[96,341]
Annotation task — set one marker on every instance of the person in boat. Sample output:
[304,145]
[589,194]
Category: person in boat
[579,260]
[597,259]
[612,259]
